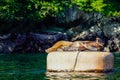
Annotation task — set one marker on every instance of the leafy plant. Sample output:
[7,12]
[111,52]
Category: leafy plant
[34,11]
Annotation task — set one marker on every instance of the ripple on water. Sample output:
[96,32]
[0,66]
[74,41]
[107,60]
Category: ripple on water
[75,76]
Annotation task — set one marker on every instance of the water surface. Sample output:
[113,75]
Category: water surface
[33,67]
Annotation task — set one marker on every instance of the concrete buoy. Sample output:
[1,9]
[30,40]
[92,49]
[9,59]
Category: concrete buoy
[80,61]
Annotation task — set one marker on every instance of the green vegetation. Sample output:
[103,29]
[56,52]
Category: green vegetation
[39,9]
[30,14]
[106,7]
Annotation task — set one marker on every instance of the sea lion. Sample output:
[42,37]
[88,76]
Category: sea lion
[76,45]
[57,45]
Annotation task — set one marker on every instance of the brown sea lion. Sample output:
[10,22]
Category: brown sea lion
[77,45]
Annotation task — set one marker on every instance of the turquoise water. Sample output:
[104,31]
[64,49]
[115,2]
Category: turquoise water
[33,67]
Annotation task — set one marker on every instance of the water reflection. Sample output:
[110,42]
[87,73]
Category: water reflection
[75,76]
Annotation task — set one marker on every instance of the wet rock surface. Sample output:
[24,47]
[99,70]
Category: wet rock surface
[30,42]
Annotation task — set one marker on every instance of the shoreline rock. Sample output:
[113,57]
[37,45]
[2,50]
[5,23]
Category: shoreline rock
[28,43]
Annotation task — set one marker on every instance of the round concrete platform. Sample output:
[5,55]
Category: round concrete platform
[80,61]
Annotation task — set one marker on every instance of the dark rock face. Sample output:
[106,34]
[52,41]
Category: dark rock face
[114,44]
[94,25]
[89,25]
[6,47]
[85,26]
[32,42]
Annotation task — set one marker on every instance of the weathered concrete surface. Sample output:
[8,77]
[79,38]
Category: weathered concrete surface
[83,61]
